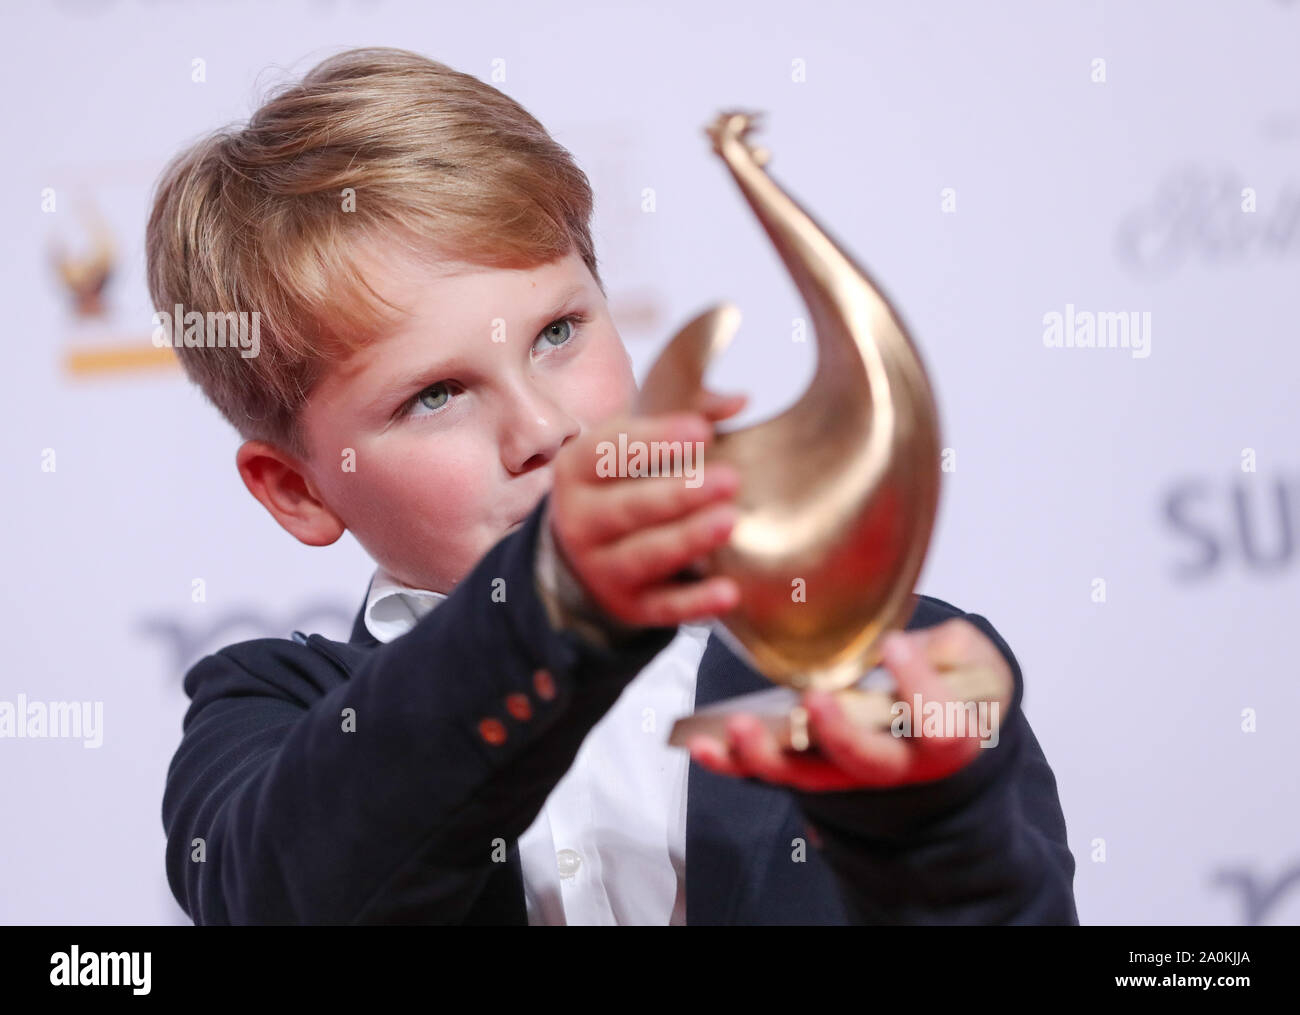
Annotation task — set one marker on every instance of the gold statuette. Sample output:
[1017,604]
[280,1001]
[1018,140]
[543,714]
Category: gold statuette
[838,493]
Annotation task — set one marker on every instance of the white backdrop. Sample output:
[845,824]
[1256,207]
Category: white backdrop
[1129,523]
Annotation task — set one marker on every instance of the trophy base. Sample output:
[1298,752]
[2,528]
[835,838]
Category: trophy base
[869,704]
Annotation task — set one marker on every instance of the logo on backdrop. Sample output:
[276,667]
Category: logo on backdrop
[188,640]
[1258,898]
[1247,521]
[1210,215]
[84,256]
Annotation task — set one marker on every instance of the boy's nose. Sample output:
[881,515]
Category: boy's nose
[533,442]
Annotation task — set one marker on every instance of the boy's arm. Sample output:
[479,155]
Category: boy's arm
[387,798]
[986,845]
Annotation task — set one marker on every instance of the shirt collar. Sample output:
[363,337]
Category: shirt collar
[393,607]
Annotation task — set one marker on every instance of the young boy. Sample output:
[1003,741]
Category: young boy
[437,364]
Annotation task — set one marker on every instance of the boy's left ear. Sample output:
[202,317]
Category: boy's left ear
[279,482]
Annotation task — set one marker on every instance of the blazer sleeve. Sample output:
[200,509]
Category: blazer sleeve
[985,845]
[388,793]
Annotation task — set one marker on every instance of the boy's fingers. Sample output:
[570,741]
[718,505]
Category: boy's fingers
[954,643]
[906,658]
[714,405]
[872,757]
[668,605]
[657,553]
[611,512]
[755,750]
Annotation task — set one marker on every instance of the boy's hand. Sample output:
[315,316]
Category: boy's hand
[625,538]
[855,758]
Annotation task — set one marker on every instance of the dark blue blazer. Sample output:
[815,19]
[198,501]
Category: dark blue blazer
[322,782]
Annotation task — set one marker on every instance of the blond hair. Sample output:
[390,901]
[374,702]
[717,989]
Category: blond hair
[253,218]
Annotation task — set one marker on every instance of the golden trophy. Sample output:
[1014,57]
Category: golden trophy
[838,493]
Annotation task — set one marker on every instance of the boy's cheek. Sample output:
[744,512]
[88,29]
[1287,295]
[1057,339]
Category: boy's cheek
[424,511]
[421,507]
[420,542]
[606,385]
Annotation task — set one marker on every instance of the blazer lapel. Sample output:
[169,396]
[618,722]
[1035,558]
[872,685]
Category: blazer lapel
[726,818]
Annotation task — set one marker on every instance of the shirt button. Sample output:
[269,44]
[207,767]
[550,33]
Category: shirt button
[568,861]
[544,685]
[493,731]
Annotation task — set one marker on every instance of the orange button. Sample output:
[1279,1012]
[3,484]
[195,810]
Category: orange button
[493,731]
[519,706]
[544,685]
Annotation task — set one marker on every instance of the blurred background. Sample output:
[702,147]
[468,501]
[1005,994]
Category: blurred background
[1125,514]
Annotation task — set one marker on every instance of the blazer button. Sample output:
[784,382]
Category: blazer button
[519,706]
[544,685]
[493,731]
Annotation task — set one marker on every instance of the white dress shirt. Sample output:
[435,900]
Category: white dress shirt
[609,845]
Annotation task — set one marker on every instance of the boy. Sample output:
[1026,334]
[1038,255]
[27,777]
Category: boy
[437,366]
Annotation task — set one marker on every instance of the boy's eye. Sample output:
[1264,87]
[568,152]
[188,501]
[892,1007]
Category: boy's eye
[559,332]
[434,396]
[432,399]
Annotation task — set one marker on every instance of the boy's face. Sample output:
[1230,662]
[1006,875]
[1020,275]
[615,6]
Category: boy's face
[454,419]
